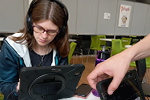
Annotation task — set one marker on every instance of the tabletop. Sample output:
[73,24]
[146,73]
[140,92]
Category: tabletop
[1,38]
[72,40]
[90,97]
[106,39]
[109,39]
[128,46]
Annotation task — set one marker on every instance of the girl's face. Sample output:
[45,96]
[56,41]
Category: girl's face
[44,32]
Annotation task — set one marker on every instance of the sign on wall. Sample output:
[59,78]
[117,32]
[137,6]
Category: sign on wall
[124,16]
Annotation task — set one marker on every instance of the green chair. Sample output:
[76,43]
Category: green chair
[72,48]
[134,40]
[132,64]
[116,47]
[1,96]
[147,69]
[126,41]
[95,45]
[148,62]
[103,43]
[133,36]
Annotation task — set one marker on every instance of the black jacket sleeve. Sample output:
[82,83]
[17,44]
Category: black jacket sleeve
[63,61]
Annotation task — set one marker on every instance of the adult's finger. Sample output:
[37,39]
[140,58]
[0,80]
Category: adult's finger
[114,84]
[96,75]
[93,78]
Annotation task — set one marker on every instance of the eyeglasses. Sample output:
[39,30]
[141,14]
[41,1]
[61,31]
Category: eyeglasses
[40,29]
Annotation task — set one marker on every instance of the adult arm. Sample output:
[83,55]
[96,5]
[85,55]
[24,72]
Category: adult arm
[117,65]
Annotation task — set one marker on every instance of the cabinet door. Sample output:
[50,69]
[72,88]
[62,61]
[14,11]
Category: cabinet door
[11,15]
[72,10]
[139,19]
[106,17]
[87,16]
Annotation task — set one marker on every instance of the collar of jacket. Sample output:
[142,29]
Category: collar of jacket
[23,51]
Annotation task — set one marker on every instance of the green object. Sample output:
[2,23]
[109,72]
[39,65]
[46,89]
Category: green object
[134,40]
[116,47]
[1,96]
[126,41]
[133,36]
[72,48]
[95,43]
[102,42]
[132,64]
[148,62]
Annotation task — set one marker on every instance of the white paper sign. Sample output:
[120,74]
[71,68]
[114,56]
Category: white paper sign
[106,15]
[124,16]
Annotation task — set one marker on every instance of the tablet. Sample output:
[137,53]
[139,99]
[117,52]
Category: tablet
[83,90]
[129,89]
[49,83]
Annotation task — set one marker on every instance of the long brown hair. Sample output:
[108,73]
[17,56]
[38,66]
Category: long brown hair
[46,10]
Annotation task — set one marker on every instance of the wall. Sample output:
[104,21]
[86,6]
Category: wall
[89,18]
[86,17]
[12,14]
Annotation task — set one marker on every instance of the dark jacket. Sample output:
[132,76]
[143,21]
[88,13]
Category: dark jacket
[13,57]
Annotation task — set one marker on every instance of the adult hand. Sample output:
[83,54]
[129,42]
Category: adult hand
[116,66]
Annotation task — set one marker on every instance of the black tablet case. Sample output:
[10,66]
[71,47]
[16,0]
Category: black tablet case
[49,83]
[129,88]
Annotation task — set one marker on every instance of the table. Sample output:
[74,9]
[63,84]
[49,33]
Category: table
[111,39]
[72,40]
[106,39]
[90,97]
[128,46]
[1,38]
